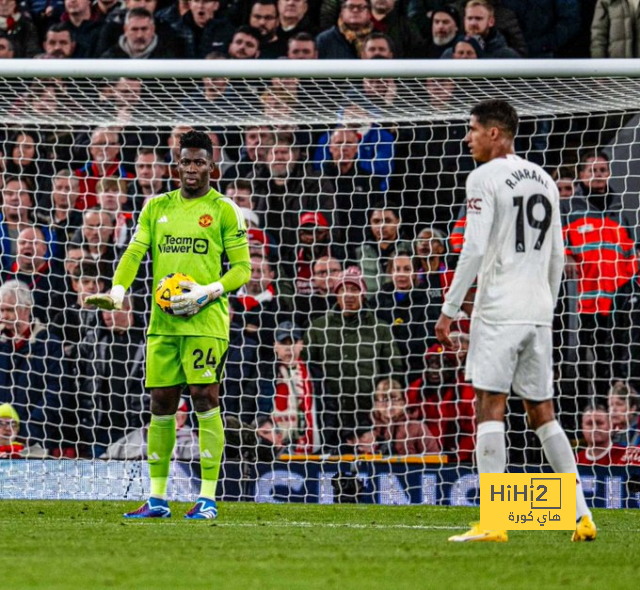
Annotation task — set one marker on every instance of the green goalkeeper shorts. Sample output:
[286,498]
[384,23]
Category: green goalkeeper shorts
[176,360]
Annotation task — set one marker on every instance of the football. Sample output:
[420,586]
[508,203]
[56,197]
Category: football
[169,287]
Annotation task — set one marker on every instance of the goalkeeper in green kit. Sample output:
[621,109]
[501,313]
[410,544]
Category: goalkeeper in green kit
[187,230]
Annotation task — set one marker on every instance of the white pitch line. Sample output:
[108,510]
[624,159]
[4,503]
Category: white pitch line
[310,525]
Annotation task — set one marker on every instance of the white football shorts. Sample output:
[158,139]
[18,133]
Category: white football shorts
[502,357]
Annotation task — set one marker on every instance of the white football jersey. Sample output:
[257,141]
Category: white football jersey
[512,243]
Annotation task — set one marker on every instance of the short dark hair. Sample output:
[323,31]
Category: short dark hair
[302,36]
[591,154]
[241,184]
[87,269]
[249,30]
[266,3]
[62,28]
[379,35]
[497,112]
[138,12]
[198,140]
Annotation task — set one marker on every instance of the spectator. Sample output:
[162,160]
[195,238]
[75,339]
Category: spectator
[110,381]
[353,185]
[293,408]
[240,192]
[565,181]
[256,310]
[139,39]
[7,50]
[433,275]
[150,178]
[600,245]
[64,219]
[72,327]
[97,235]
[615,29]
[73,322]
[216,96]
[407,40]
[104,149]
[245,43]
[133,446]
[468,48]
[548,26]
[624,404]
[84,24]
[264,18]
[398,433]
[382,243]
[302,46]
[288,188]
[33,269]
[294,19]
[445,27]
[296,283]
[113,198]
[403,307]
[445,402]
[74,256]
[479,20]
[27,160]
[202,29]
[348,351]
[375,144]
[10,447]
[30,367]
[122,98]
[377,46]
[257,139]
[17,214]
[113,27]
[19,28]
[344,40]
[59,42]
[596,431]
[325,273]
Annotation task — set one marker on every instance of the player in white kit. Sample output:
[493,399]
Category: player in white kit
[513,245]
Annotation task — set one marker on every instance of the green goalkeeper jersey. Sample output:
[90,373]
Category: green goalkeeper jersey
[188,236]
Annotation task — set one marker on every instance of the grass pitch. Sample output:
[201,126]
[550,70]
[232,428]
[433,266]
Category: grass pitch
[88,545]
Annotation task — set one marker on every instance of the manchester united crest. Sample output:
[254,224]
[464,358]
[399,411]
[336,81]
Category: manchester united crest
[205,220]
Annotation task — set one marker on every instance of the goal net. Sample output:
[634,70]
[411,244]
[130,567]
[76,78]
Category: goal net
[351,180]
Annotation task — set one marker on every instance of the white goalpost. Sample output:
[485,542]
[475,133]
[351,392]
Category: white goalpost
[336,165]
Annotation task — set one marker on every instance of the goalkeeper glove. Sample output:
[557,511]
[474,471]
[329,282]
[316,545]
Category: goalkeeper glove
[197,297]
[109,301]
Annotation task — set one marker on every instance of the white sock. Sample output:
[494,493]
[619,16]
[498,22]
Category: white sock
[491,451]
[560,456]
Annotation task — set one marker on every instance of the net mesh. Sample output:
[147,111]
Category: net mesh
[330,174]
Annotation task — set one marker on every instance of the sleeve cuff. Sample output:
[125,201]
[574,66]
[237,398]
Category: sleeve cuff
[450,310]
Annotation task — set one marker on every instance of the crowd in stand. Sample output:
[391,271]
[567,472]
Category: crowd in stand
[327,29]
[354,233]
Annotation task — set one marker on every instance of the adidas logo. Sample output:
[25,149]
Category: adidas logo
[207,373]
[163,219]
[154,457]
[206,454]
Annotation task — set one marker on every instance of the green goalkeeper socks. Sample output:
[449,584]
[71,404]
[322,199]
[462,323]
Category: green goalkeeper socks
[211,436]
[162,439]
